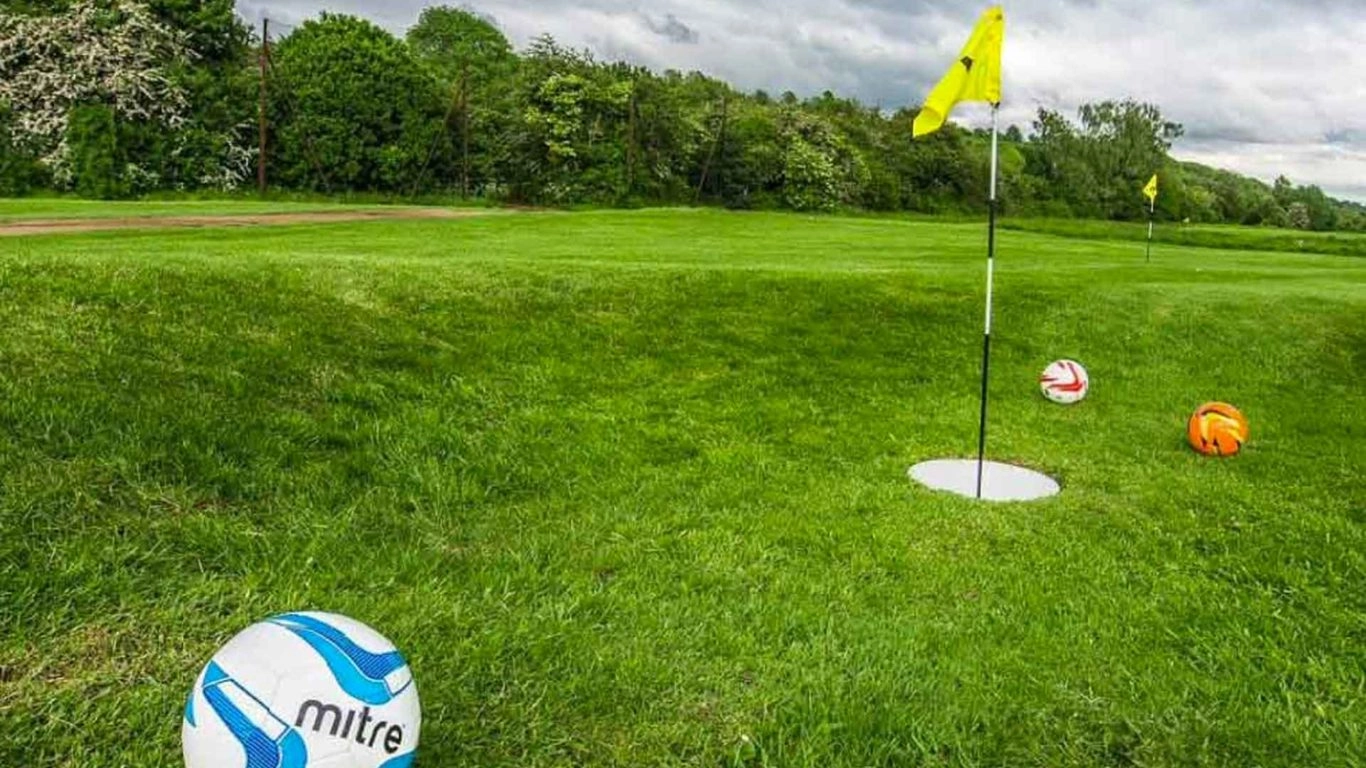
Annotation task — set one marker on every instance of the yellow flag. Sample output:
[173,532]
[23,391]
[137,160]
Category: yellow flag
[1150,191]
[976,76]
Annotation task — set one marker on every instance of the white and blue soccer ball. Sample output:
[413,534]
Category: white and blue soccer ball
[303,690]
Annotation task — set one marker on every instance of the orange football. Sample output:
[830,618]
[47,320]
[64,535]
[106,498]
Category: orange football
[1217,429]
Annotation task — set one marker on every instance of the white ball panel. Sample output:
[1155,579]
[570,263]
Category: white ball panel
[281,684]
[1065,382]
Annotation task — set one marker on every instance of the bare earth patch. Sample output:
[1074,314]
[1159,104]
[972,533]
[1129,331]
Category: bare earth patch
[66,226]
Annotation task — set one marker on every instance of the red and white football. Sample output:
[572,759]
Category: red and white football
[1065,382]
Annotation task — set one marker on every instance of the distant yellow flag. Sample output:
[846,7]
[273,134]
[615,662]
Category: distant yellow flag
[976,76]
[1150,191]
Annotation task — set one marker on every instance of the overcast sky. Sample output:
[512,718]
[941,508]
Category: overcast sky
[1262,86]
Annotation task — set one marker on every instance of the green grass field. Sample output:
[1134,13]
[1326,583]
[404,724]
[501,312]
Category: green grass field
[629,489]
[1200,235]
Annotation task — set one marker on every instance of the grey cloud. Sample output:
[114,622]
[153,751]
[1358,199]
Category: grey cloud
[1348,136]
[673,29]
[1242,75]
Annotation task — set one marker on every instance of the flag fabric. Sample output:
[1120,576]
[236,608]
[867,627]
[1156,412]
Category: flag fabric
[1150,192]
[976,76]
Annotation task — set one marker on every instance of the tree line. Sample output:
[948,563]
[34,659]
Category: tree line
[114,98]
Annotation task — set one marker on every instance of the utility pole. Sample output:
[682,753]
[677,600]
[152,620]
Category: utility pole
[631,141]
[465,131]
[716,143]
[721,142]
[261,108]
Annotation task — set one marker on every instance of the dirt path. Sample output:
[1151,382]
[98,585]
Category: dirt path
[67,226]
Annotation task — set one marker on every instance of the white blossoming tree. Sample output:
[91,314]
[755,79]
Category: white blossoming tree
[112,53]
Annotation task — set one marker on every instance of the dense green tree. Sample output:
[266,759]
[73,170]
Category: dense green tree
[216,33]
[1098,165]
[475,65]
[571,140]
[98,157]
[669,128]
[36,7]
[172,71]
[1352,217]
[753,157]
[215,145]
[19,169]
[1124,143]
[353,110]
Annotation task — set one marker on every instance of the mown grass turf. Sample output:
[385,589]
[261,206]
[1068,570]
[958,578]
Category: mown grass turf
[629,489]
[1200,235]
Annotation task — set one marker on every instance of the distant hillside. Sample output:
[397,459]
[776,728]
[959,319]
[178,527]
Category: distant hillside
[1216,195]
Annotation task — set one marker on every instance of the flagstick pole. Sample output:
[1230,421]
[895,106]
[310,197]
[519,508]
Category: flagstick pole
[1152,214]
[991,279]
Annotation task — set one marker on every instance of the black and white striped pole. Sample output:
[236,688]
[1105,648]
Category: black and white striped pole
[981,479]
[991,284]
[1152,215]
